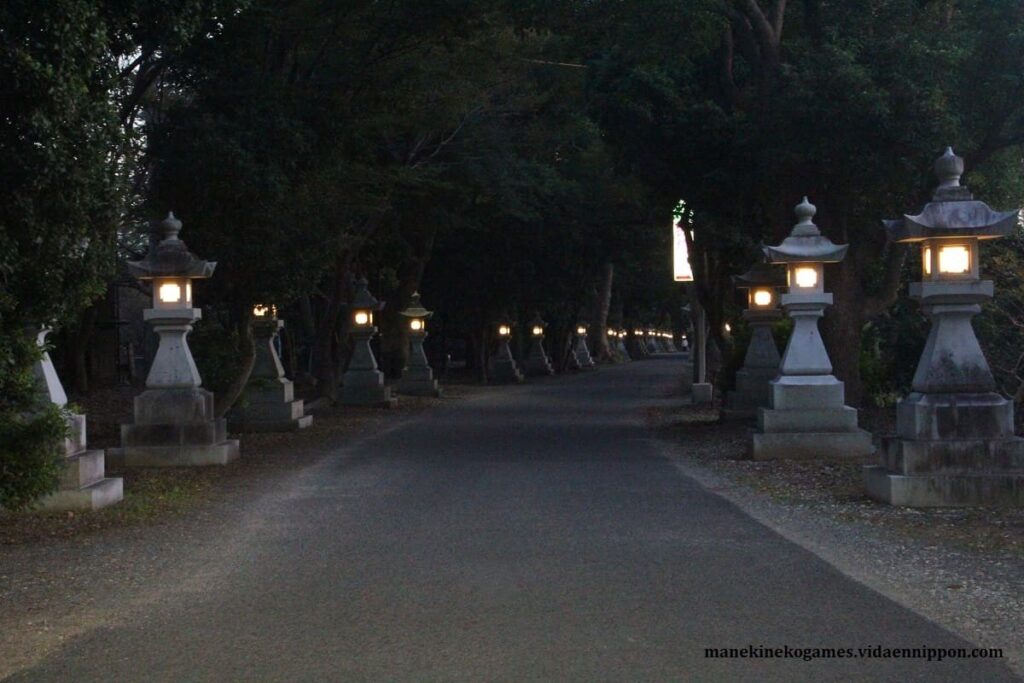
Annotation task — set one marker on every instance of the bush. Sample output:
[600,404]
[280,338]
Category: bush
[32,429]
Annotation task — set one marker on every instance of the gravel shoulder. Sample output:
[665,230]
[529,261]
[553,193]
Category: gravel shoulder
[960,568]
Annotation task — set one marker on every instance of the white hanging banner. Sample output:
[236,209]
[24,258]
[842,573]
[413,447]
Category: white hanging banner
[680,253]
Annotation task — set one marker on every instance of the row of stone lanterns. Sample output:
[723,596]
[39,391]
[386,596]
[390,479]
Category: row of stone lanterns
[954,441]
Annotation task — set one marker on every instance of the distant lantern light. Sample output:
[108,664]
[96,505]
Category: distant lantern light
[581,329]
[416,324]
[260,311]
[537,331]
[504,330]
[728,327]
[362,318]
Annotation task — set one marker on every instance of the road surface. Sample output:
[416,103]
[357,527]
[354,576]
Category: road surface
[530,533]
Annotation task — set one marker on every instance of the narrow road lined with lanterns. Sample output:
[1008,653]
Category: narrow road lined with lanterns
[529,533]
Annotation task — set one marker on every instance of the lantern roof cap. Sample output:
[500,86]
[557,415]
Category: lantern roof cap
[805,243]
[760,275]
[538,321]
[953,211]
[415,308]
[170,257]
[362,299]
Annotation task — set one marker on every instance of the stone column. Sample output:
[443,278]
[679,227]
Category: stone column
[503,366]
[417,376]
[268,402]
[537,363]
[83,481]
[582,352]
[760,366]
[363,382]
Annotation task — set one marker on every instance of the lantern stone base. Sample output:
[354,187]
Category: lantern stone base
[269,405]
[950,450]
[808,421]
[174,428]
[581,351]
[505,372]
[418,381]
[703,393]
[537,365]
[753,391]
[366,388]
[83,481]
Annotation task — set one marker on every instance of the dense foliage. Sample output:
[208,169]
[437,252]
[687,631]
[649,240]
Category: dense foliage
[505,157]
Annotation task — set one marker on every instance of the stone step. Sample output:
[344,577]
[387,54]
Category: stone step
[962,456]
[842,419]
[93,497]
[941,490]
[836,446]
[183,455]
[279,425]
[82,469]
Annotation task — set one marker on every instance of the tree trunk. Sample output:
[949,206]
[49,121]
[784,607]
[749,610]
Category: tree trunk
[842,328]
[599,334]
[247,350]
[80,350]
[324,348]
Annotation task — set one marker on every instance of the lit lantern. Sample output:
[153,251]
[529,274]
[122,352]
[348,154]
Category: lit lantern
[581,329]
[416,315]
[503,366]
[537,363]
[580,350]
[955,421]
[417,376]
[364,305]
[363,382]
[264,311]
[537,326]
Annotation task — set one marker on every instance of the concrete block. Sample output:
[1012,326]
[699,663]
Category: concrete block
[843,419]
[944,490]
[807,393]
[702,393]
[835,446]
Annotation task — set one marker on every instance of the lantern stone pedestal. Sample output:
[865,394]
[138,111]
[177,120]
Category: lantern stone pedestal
[652,346]
[760,366]
[363,383]
[637,348]
[808,418]
[83,481]
[268,402]
[582,353]
[954,443]
[175,422]
[503,366]
[620,351]
[537,363]
[417,376]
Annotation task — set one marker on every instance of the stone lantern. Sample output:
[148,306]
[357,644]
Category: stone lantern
[618,344]
[363,382]
[761,363]
[537,363]
[807,418]
[503,366]
[417,376]
[175,422]
[268,403]
[955,442]
[650,343]
[637,346]
[83,481]
[580,349]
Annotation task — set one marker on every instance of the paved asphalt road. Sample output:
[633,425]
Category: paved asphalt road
[528,534]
